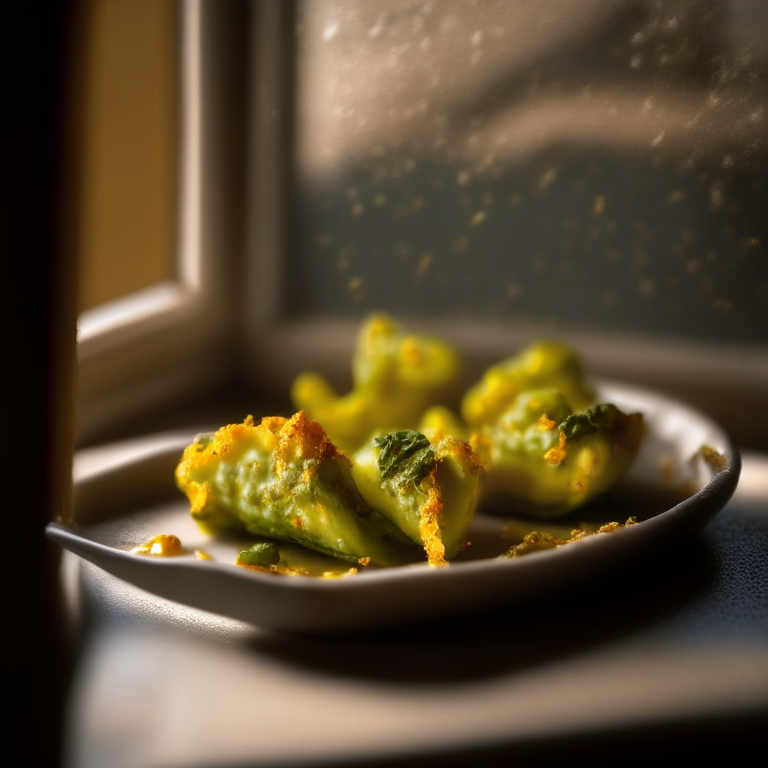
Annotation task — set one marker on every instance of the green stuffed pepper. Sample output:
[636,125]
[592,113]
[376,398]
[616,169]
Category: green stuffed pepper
[284,479]
[544,364]
[396,377]
[427,486]
[544,460]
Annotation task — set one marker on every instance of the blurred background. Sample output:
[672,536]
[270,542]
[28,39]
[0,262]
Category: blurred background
[595,171]
[592,164]
[598,164]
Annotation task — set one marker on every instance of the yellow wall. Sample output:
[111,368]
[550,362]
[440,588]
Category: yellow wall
[129,98]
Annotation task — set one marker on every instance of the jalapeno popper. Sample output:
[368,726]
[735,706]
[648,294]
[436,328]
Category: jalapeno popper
[544,460]
[284,479]
[396,377]
[427,486]
[543,364]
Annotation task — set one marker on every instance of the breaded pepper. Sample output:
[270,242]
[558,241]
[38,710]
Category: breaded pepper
[396,377]
[442,420]
[428,487]
[549,364]
[284,479]
[543,460]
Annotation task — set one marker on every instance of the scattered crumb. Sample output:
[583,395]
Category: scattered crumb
[163,545]
[716,460]
[538,541]
[546,424]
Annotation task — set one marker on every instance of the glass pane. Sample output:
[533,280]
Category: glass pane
[128,130]
[582,164]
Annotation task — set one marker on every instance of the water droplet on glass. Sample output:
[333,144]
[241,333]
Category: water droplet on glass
[331,28]
[599,206]
[423,265]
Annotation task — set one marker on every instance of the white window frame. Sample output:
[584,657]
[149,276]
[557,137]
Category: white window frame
[175,338]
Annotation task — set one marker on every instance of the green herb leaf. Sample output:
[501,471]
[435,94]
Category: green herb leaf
[406,455]
[598,418]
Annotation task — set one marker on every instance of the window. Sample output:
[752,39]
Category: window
[489,170]
[497,171]
[128,147]
[173,337]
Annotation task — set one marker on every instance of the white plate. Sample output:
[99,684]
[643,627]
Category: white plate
[123,505]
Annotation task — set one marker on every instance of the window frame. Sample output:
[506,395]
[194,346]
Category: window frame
[175,338]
